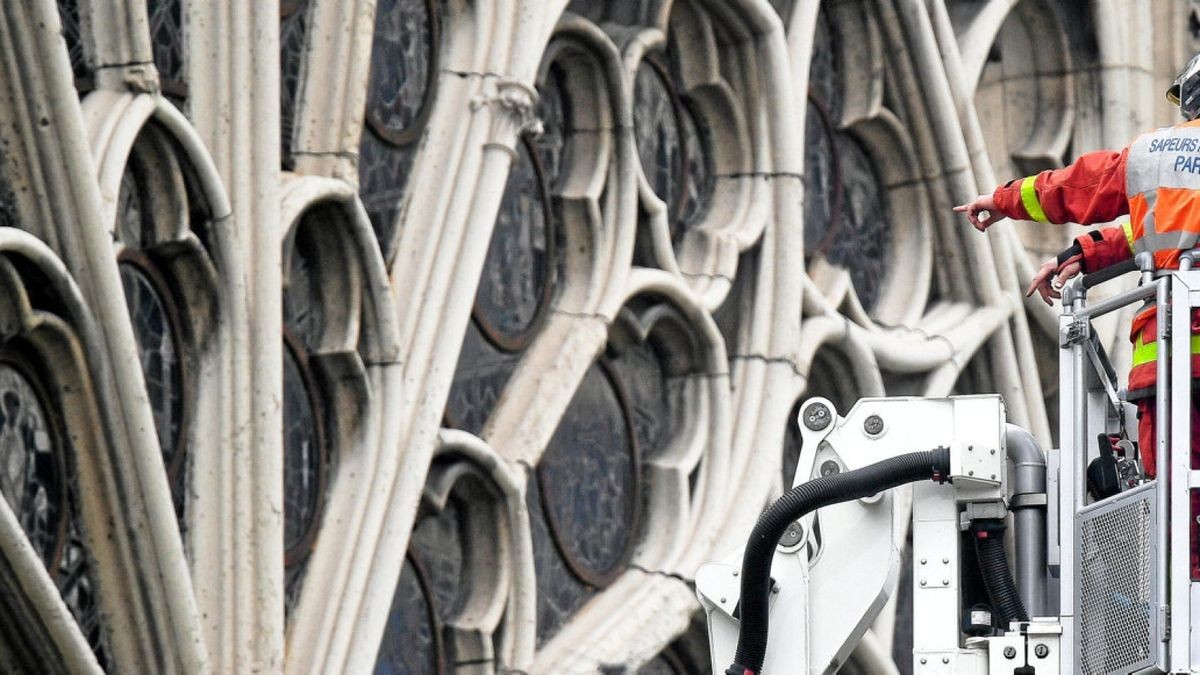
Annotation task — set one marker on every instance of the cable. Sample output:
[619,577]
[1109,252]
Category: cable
[796,502]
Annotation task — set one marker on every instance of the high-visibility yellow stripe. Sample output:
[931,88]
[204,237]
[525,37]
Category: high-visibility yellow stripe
[1128,227]
[1029,199]
[1148,353]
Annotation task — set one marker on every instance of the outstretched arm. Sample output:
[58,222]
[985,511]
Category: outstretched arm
[1092,190]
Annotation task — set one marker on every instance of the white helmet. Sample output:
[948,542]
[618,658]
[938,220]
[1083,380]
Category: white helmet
[1185,91]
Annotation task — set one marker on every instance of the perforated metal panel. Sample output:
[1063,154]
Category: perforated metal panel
[1115,607]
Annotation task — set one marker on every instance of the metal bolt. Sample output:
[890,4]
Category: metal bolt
[993,452]
[722,601]
[945,582]
[945,659]
[970,473]
[873,425]
[791,536]
[922,582]
[1010,652]
[775,590]
[970,448]
[817,417]
[924,660]
[1042,651]
[993,476]
[945,561]
[923,561]
[830,468]
[735,573]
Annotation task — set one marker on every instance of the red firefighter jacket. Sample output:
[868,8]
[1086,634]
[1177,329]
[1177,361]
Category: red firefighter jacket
[1092,190]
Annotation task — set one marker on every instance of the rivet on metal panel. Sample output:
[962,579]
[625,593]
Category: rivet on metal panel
[792,535]
[1010,652]
[1042,651]
[817,417]
[873,425]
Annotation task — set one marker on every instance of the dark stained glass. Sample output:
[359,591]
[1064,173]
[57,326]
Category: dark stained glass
[861,244]
[731,316]
[821,180]
[588,479]
[438,541]
[824,76]
[34,481]
[657,127]
[383,173]
[479,380]
[518,272]
[158,353]
[554,110]
[167,44]
[404,57]
[156,325]
[650,392]
[303,301]
[559,592]
[515,291]
[673,143]
[72,30]
[700,175]
[629,13]
[32,475]
[132,213]
[78,590]
[293,29]
[293,582]
[411,642]
[303,458]
[844,198]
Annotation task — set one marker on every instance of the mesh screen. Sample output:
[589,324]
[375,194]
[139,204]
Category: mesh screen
[1116,608]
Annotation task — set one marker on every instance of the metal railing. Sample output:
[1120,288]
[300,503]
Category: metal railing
[1090,402]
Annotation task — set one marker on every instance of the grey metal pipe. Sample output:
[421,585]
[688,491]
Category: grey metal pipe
[1162,425]
[1117,301]
[1028,507]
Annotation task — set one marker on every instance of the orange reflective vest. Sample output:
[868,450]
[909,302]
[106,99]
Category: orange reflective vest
[1156,181]
[1162,183]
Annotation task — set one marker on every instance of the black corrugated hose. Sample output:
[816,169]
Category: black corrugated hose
[796,502]
[997,578]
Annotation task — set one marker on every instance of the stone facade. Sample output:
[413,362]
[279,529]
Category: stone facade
[453,335]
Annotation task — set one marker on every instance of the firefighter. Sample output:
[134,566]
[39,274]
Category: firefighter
[1156,182]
